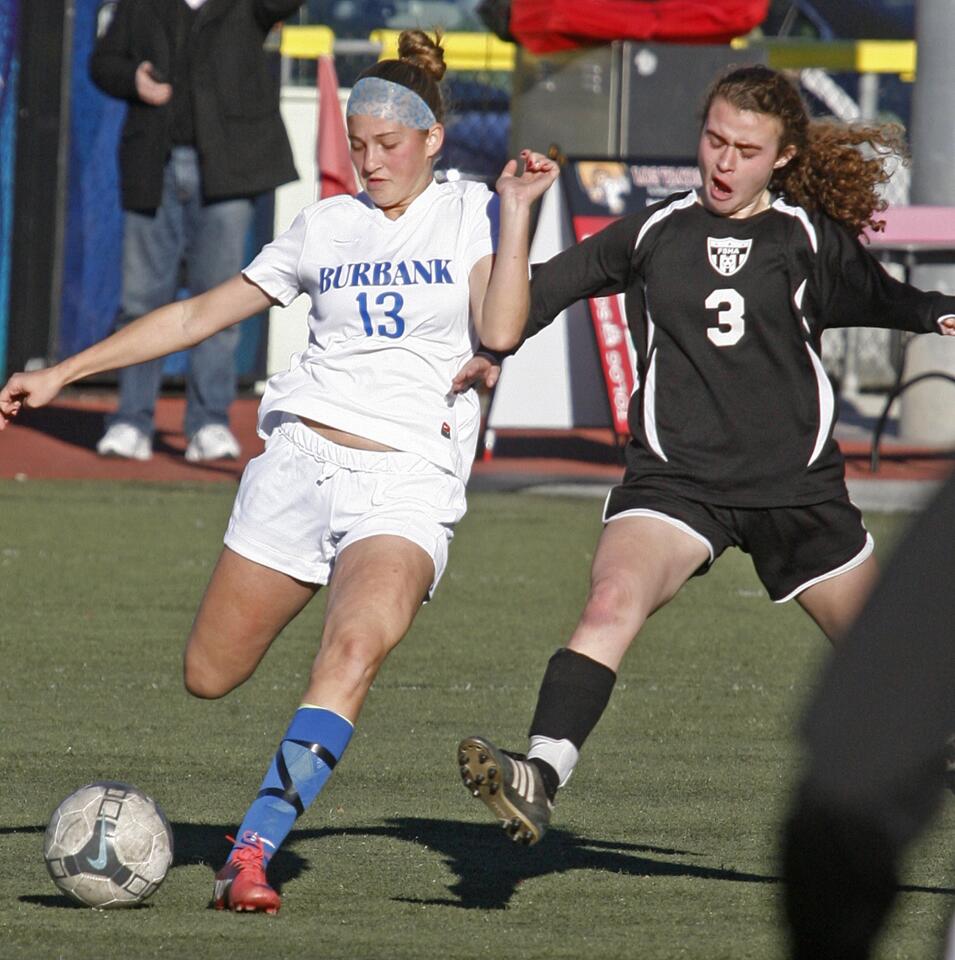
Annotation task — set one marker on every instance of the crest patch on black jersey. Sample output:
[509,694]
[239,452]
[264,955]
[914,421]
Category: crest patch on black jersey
[726,254]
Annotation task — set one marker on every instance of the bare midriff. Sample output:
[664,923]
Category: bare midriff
[344,438]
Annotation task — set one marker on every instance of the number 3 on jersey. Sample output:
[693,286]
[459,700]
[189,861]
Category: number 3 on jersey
[391,303]
[730,324]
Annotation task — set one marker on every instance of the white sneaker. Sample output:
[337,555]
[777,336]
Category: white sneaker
[212,442]
[126,441]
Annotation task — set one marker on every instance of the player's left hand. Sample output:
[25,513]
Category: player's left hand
[946,326]
[538,174]
[479,371]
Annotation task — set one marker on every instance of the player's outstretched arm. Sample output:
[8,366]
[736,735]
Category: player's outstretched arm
[500,294]
[176,326]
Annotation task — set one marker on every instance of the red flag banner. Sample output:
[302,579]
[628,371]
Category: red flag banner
[543,26]
[610,332]
[335,172]
[597,192]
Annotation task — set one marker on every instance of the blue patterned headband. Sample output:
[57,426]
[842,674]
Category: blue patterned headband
[375,97]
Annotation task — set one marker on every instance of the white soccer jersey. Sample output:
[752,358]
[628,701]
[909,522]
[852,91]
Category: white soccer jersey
[390,321]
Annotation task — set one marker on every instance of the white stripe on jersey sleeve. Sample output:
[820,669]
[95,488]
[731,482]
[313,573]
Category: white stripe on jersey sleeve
[649,410]
[651,326]
[663,213]
[827,404]
[797,299]
[803,217]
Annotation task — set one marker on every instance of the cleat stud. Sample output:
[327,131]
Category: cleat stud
[483,757]
[479,778]
[475,793]
[491,773]
[492,789]
[462,758]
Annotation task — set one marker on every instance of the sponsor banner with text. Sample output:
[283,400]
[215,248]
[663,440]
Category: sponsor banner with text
[598,192]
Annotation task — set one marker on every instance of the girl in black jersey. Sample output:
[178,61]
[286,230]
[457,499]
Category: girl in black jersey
[728,290]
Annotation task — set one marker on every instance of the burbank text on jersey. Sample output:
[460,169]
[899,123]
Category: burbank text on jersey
[384,273]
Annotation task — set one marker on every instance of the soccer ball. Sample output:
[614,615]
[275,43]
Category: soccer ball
[108,845]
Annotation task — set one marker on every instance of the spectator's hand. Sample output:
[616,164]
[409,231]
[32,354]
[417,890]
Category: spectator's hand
[539,173]
[148,88]
[946,326]
[35,389]
[479,371]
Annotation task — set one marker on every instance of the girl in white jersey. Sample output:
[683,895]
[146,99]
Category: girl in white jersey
[367,447]
[728,290]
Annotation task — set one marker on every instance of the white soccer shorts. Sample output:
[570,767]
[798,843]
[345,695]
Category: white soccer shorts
[305,499]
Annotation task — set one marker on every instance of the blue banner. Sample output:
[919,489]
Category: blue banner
[9,70]
[93,235]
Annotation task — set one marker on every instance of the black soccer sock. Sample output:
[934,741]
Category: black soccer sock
[573,696]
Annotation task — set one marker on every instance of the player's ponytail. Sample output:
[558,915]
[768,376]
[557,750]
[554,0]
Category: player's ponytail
[842,169]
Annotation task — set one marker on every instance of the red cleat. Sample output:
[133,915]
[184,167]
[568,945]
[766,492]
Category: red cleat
[241,885]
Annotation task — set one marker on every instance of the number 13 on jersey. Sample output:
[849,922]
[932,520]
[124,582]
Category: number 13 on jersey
[730,323]
[389,306]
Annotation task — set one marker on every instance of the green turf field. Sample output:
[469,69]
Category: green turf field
[664,843]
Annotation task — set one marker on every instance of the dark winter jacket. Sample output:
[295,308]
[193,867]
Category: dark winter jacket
[239,134]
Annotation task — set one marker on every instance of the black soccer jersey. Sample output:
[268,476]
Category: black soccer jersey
[732,404]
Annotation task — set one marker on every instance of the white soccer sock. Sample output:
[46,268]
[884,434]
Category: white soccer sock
[562,755]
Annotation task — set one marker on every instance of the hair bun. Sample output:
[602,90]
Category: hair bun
[417,48]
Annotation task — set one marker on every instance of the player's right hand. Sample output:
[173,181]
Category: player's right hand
[34,389]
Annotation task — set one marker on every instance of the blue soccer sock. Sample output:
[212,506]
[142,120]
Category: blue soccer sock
[312,745]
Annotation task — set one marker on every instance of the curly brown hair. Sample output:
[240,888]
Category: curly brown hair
[837,167]
[420,67]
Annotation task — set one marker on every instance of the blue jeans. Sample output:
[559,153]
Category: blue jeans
[185,244]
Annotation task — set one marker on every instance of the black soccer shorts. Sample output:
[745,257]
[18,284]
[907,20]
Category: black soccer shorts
[792,548]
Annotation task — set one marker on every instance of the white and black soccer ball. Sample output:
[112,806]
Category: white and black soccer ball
[108,845]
